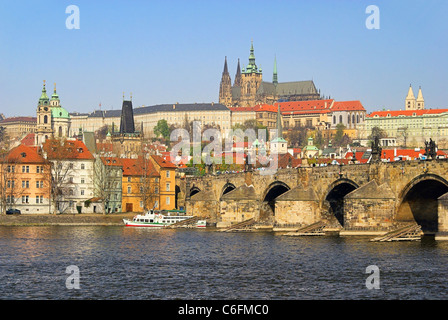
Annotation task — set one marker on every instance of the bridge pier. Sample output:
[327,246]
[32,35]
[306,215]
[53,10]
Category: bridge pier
[442,233]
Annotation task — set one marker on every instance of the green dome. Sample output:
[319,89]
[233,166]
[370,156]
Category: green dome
[59,112]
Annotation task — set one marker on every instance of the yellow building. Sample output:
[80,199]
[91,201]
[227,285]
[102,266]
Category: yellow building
[167,182]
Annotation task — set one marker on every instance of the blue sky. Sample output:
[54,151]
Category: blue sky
[173,51]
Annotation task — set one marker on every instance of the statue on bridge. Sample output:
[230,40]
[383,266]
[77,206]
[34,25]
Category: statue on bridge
[430,149]
[376,149]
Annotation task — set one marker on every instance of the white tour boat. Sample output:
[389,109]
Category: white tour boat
[155,219]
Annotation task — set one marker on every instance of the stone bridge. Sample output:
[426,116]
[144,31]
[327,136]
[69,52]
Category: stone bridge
[357,198]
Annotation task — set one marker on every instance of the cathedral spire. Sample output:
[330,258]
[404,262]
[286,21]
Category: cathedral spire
[238,80]
[275,76]
[225,88]
[225,71]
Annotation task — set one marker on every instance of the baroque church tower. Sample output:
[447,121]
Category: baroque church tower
[53,121]
[43,127]
[414,104]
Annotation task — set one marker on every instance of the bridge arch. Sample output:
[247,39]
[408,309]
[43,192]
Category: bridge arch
[274,190]
[227,188]
[194,190]
[418,201]
[333,199]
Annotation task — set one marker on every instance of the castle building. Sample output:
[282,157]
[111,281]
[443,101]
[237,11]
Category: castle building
[249,89]
[410,127]
[52,119]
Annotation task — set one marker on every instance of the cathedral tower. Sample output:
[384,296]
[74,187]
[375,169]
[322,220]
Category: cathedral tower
[251,80]
[225,88]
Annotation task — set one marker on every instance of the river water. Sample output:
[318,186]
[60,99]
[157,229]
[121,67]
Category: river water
[130,263]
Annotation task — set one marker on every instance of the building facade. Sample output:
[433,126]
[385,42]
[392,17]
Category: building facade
[25,181]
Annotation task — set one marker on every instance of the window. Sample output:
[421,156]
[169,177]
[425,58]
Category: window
[83,166]
[25,184]
[167,200]
[25,199]
[82,180]
[129,179]
[167,187]
[168,174]
[25,169]
[70,166]
[156,204]
[129,189]
[39,184]
[82,192]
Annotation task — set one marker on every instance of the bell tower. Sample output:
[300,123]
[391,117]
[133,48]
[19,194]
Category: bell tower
[43,128]
[251,80]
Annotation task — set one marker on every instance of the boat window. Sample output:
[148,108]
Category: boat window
[151,220]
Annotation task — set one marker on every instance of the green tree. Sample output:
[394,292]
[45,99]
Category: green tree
[162,129]
[339,134]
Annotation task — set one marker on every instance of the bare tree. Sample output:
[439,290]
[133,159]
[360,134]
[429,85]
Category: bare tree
[60,180]
[147,189]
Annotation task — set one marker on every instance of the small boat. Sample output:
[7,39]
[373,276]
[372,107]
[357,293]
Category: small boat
[156,219]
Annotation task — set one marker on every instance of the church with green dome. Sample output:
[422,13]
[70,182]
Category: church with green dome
[53,121]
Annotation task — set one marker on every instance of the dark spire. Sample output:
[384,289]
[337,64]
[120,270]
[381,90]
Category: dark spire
[127,118]
[226,71]
[238,79]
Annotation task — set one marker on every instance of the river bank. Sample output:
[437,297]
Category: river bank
[64,219]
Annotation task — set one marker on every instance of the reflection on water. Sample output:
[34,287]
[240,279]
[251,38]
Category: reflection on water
[131,263]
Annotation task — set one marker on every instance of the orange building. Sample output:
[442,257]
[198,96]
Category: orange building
[25,180]
[140,187]
[167,182]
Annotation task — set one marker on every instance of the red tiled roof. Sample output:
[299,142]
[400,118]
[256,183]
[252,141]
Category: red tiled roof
[111,161]
[134,167]
[70,150]
[265,107]
[308,105]
[348,106]
[25,154]
[408,113]
[28,140]
[20,119]
[163,162]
